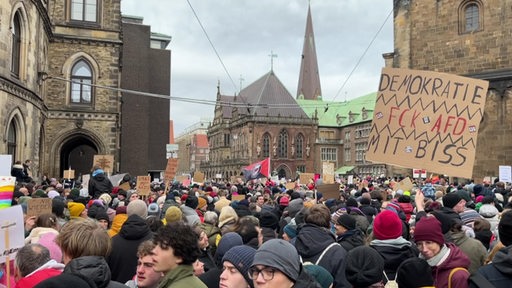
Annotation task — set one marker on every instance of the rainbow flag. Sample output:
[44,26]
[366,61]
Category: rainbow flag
[6,191]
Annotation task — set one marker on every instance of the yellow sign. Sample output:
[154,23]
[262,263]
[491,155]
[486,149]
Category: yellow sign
[427,119]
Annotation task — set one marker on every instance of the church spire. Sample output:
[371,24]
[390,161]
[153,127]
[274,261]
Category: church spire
[309,79]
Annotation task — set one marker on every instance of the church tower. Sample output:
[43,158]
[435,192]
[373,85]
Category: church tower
[309,80]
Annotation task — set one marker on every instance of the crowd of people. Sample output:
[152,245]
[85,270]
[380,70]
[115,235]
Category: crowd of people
[260,234]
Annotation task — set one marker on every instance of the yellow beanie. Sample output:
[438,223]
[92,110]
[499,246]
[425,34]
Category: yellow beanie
[202,202]
[173,214]
[75,209]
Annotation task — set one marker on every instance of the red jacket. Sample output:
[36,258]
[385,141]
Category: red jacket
[37,277]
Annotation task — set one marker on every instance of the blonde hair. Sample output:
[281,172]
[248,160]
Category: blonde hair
[83,238]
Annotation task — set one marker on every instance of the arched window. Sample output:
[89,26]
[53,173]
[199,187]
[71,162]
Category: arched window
[299,146]
[84,10]
[470,16]
[16,44]
[283,144]
[81,79]
[12,139]
[266,145]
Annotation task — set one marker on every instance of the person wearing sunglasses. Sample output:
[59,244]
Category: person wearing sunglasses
[277,264]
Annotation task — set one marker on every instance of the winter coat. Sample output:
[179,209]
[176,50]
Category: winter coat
[311,241]
[47,270]
[369,211]
[181,277]
[211,232]
[98,185]
[499,272]
[408,209]
[455,259]
[473,248]
[94,268]
[211,277]
[17,171]
[117,223]
[394,252]
[305,281]
[268,233]
[351,239]
[123,257]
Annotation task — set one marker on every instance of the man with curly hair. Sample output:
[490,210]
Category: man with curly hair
[176,249]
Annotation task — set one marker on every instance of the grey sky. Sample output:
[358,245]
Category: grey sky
[244,33]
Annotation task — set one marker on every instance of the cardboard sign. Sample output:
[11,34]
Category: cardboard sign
[69,174]
[125,186]
[290,185]
[198,177]
[329,190]
[38,206]
[106,162]
[404,185]
[170,169]
[182,178]
[417,173]
[427,119]
[143,185]
[304,178]
[328,172]
[237,197]
[12,232]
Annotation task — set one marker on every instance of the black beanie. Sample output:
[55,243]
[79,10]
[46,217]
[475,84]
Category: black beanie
[451,199]
[268,220]
[347,221]
[505,228]
[364,267]
[414,272]
[192,201]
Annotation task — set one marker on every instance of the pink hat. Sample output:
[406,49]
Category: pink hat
[48,241]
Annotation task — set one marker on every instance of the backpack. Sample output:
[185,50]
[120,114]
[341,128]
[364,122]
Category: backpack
[321,255]
[390,283]
[453,272]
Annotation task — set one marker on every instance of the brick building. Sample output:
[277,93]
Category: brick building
[193,148]
[469,38]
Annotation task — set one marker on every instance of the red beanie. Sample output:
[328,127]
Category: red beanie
[387,225]
[429,229]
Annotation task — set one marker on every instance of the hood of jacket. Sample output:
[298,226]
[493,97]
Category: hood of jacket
[92,267]
[117,223]
[457,258]
[312,240]
[134,228]
[503,260]
[99,177]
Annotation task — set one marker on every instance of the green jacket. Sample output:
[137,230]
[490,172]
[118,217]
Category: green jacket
[181,277]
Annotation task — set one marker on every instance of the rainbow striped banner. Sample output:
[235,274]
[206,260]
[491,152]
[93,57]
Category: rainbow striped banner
[6,191]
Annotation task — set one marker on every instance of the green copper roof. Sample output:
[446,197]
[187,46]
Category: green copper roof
[342,113]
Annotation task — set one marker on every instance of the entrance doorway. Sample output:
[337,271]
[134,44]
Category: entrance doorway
[77,153]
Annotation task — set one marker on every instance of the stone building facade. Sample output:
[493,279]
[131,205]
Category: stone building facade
[469,38]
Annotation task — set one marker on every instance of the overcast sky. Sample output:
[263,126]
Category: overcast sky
[244,32]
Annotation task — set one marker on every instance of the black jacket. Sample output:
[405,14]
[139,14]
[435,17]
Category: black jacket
[95,268]
[394,256]
[499,272]
[123,258]
[351,239]
[98,185]
[311,241]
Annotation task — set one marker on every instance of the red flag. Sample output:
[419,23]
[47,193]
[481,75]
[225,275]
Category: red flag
[257,170]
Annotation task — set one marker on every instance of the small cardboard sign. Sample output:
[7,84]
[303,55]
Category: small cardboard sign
[237,197]
[69,174]
[143,185]
[329,190]
[182,178]
[505,174]
[198,177]
[328,172]
[170,169]
[306,177]
[12,232]
[290,186]
[38,206]
[404,185]
[125,186]
[105,162]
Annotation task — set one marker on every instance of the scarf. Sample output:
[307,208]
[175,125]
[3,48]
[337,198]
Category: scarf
[439,258]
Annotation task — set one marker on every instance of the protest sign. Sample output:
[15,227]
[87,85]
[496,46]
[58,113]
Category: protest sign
[290,186]
[12,232]
[237,197]
[170,169]
[6,191]
[404,185]
[69,174]
[328,172]
[505,173]
[329,191]
[427,119]
[125,186]
[38,206]
[304,178]
[143,185]
[198,177]
[5,164]
[105,162]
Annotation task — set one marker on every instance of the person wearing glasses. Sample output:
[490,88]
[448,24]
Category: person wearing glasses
[235,267]
[277,264]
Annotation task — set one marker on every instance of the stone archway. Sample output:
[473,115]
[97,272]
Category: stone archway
[284,171]
[78,153]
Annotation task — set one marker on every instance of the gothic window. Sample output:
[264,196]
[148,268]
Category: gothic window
[470,16]
[84,10]
[266,145]
[12,140]
[299,146]
[81,79]
[283,144]
[16,44]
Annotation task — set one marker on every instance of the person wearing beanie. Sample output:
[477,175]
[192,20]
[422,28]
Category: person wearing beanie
[154,210]
[364,267]
[499,271]
[189,210]
[347,235]
[268,224]
[236,263]
[277,264]
[99,184]
[442,257]
[325,251]
[322,276]
[173,214]
[389,242]
[414,273]
[290,232]
[102,218]
[77,210]
[227,219]
[202,206]
[135,230]
[473,248]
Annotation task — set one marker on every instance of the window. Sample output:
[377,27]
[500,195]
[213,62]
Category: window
[348,155]
[470,16]
[81,79]
[227,140]
[283,144]
[16,44]
[299,146]
[328,154]
[84,10]
[301,168]
[347,136]
[11,140]
[360,151]
[266,145]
